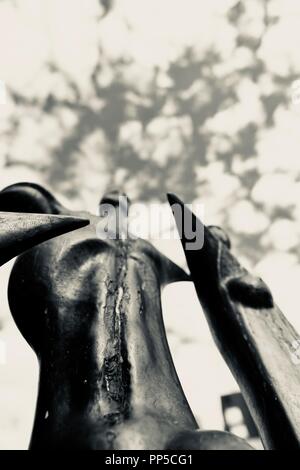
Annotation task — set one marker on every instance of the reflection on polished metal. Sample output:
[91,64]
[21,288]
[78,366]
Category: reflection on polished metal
[91,310]
[254,337]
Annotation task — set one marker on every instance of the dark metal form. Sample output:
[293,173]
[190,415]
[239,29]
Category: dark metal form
[254,337]
[20,232]
[91,310]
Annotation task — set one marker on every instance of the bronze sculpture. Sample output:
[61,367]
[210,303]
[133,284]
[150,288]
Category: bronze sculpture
[91,310]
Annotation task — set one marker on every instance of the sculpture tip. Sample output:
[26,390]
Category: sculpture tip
[22,231]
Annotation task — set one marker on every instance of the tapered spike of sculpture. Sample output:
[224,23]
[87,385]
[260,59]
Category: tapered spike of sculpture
[254,337]
[19,231]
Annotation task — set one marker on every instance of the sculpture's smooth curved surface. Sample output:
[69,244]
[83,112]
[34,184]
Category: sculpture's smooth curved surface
[252,334]
[207,440]
[91,310]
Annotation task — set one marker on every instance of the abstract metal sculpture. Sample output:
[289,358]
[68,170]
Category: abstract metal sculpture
[91,310]
[252,334]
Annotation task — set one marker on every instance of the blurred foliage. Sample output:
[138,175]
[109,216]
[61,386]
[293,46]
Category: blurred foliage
[194,127]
